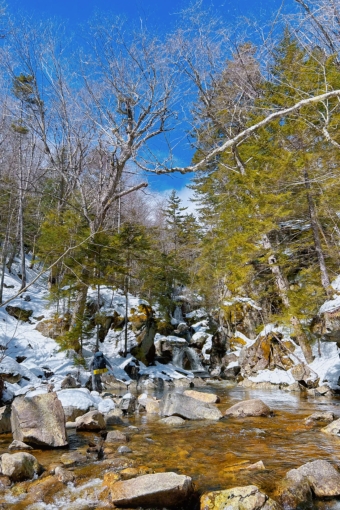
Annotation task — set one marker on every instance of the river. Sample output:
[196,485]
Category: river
[212,453]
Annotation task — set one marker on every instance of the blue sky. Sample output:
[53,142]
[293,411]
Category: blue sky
[161,14]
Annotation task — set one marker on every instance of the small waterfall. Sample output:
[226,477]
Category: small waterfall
[178,316]
[183,356]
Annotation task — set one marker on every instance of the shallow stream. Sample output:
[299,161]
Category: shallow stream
[212,453]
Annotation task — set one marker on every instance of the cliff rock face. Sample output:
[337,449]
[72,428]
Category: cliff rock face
[39,420]
[268,352]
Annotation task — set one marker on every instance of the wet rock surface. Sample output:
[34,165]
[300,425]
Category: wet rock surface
[253,407]
[175,404]
[238,498]
[156,490]
[19,466]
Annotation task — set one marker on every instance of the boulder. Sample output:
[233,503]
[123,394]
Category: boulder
[76,402]
[128,403]
[115,436]
[5,419]
[71,459]
[19,445]
[267,352]
[114,417]
[318,477]
[19,466]
[63,475]
[69,382]
[319,418]
[19,313]
[189,408]
[39,420]
[295,491]
[156,490]
[209,398]
[305,376]
[94,420]
[239,498]
[333,428]
[320,391]
[254,407]
[152,406]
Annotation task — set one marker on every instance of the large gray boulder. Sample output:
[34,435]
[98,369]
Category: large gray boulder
[176,404]
[19,466]
[238,498]
[318,477]
[253,407]
[5,419]
[157,490]
[39,420]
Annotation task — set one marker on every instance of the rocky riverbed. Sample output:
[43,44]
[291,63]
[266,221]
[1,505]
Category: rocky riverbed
[116,460]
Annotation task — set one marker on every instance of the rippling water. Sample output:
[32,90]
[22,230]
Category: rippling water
[212,453]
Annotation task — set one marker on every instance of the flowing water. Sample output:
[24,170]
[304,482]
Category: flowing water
[212,453]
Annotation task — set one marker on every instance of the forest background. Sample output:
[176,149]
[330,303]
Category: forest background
[86,119]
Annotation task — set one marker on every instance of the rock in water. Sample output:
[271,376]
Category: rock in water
[39,420]
[158,490]
[19,466]
[189,408]
[333,428]
[318,477]
[5,419]
[239,498]
[94,420]
[208,398]
[254,407]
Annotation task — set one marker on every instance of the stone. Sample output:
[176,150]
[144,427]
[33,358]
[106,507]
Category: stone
[114,417]
[189,408]
[94,420]
[267,352]
[71,459]
[128,403]
[39,420]
[19,313]
[333,428]
[63,475]
[10,370]
[319,418]
[258,466]
[156,490]
[128,473]
[239,498]
[209,398]
[320,391]
[174,421]
[305,376]
[122,450]
[254,407]
[19,466]
[19,445]
[152,406]
[318,477]
[5,419]
[115,436]
[5,482]
[69,382]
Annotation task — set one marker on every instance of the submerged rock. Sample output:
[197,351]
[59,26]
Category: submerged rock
[319,418]
[39,420]
[333,428]
[239,498]
[157,490]
[19,466]
[189,408]
[19,445]
[173,420]
[254,407]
